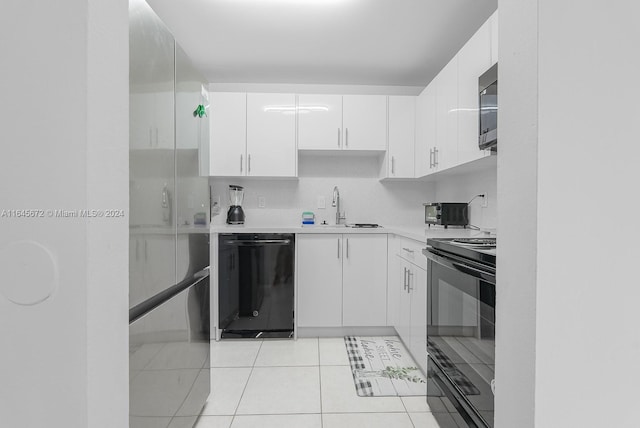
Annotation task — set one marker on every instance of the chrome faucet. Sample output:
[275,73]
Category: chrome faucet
[336,203]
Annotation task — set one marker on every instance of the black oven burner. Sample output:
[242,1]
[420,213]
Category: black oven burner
[476,242]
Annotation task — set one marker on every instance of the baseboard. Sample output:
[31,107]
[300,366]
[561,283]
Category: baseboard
[345,331]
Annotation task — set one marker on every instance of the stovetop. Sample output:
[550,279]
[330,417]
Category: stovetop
[481,250]
[475,242]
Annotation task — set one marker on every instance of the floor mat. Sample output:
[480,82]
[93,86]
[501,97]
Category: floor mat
[382,366]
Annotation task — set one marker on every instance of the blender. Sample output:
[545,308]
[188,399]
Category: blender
[235,215]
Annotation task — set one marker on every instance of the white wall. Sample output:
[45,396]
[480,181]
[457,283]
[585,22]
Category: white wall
[517,215]
[362,196]
[462,188]
[63,292]
[567,341]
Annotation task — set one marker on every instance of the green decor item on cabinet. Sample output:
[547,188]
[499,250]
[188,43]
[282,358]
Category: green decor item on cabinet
[200,111]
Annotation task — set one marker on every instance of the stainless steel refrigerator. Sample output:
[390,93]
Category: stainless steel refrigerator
[169,229]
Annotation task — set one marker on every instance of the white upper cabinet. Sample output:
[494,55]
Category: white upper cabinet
[364,118]
[445,152]
[494,37]
[402,120]
[425,130]
[473,59]
[153,127]
[319,122]
[271,135]
[228,122]
[447,110]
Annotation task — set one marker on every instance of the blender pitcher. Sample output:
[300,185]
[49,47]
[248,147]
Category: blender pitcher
[235,215]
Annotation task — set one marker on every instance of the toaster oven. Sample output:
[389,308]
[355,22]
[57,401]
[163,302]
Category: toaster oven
[446,213]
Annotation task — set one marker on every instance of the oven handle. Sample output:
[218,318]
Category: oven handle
[489,277]
[256,242]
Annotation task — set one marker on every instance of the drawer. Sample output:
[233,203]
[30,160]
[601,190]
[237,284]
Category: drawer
[411,251]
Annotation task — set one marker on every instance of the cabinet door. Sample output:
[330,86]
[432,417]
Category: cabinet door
[473,59]
[319,122]
[393,280]
[364,280]
[141,122]
[403,327]
[228,130]
[447,116]
[364,118]
[204,139]
[418,324]
[271,135]
[402,124]
[319,273]
[425,130]
[164,118]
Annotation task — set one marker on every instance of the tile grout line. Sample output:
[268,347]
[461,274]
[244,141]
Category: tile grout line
[407,411]
[320,384]
[235,412]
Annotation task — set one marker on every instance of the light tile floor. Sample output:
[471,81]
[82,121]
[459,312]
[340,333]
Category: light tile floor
[297,384]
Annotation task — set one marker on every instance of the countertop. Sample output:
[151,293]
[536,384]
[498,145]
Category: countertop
[150,229]
[416,233]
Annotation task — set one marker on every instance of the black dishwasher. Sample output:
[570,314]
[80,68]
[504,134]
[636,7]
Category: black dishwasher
[255,285]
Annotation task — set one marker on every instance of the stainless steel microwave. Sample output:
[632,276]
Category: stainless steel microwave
[446,213]
[488,86]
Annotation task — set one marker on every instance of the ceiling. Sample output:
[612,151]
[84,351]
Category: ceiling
[367,42]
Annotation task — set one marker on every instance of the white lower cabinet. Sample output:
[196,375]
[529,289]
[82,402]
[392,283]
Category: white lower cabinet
[364,280]
[319,272]
[412,318]
[418,326]
[342,280]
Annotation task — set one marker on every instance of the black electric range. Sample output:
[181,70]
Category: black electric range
[461,286]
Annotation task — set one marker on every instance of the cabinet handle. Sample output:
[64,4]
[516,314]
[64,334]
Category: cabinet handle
[430,158]
[241,163]
[338,247]
[338,137]
[156,137]
[435,156]
[393,164]
[410,276]
[404,279]
[248,164]
[347,247]
[346,137]
[408,250]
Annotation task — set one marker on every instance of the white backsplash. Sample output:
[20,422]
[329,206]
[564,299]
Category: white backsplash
[462,188]
[363,197]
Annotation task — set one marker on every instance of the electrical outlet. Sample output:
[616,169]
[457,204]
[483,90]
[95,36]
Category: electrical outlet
[321,202]
[485,200]
[215,205]
[262,202]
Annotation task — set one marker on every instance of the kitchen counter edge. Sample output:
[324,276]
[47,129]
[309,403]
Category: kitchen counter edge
[417,234]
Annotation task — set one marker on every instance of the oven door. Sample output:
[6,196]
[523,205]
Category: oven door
[460,340]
